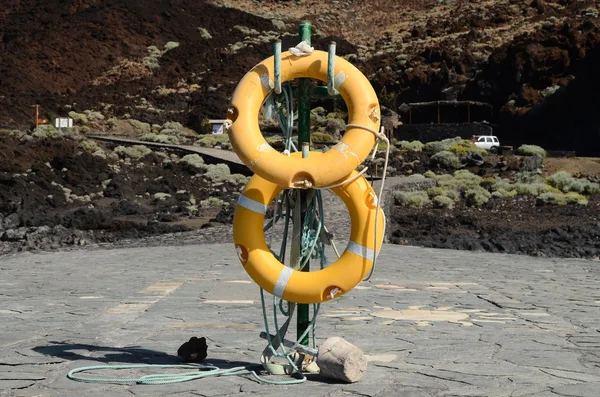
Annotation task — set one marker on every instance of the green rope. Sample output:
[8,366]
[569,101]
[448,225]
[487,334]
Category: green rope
[312,227]
[202,371]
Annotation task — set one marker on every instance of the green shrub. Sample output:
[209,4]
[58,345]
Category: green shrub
[443,202]
[528,177]
[564,182]
[468,177]
[194,161]
[112,122]
[502,193]
[576,198]
[93,116]
[173,133]
[435,191]
[552,198]
[531,150]
[414,146]
[464,148]
[439,146]
[477,196]
[411,199]
[548,189]
[213,140]
[461,181]
[206,126]
[78,118]
[171,45]
[47,131]
[211,202]
[89,146]
[160,138]
[217,172]
[526,189]
[172,125]
[504,184]
[140,126]
[429,174]
[204,33]
[453,194]
[433,147]
[320,137]
[382,146]
[238,179]
[161,196]
[135,152]
[591,188]
[446,160]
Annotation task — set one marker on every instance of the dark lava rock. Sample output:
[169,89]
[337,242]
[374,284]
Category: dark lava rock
[193,351]
[532,163]
[12,221]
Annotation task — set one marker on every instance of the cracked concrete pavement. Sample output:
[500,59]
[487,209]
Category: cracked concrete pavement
[433,322]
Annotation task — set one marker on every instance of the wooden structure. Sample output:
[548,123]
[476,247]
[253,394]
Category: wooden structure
[440,104]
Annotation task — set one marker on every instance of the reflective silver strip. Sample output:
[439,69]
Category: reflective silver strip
[252,205]
[384,226]
[282,281]
[360,250]
[339,79]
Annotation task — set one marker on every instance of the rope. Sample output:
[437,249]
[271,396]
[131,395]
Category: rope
[380,137]
[201,371]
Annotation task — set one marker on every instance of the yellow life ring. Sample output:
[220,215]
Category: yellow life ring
[307,287]
[337,163]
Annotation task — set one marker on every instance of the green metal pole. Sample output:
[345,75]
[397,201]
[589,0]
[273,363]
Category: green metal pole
[304,32]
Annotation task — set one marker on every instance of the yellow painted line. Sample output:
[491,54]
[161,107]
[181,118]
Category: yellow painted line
[239,282]
[362,287]
[162,288]
[237,302]
[211,325]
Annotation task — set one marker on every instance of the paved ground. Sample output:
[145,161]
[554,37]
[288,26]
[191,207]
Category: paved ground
[434,322]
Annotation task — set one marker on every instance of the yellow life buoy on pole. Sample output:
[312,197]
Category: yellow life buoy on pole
[307,287]
[337,163]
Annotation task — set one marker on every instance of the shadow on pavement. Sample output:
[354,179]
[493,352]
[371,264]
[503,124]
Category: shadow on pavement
[127,355]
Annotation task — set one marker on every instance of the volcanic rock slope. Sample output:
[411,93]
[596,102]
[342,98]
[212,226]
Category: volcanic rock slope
[180,60]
